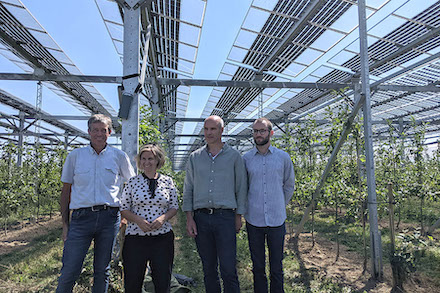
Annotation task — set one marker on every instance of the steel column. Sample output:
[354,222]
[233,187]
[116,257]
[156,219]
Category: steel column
[376,256]
[20,140]
[130,126]
[38,106]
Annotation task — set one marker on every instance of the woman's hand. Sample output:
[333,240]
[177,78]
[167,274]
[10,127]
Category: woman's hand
[144,225]
[156,224]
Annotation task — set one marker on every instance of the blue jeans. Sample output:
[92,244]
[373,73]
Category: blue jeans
[274,236]
[216,244]
[87,225]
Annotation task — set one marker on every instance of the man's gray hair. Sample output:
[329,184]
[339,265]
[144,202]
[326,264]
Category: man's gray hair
[100,118]
[218,119]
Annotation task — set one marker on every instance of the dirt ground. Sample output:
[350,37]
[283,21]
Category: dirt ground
[320,258]
[348,268]
[19,236]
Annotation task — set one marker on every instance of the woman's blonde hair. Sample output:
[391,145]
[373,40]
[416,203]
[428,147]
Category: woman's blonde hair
[157,151]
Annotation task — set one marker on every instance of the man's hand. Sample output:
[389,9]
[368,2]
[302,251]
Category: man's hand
[64,205]
[191,227]
[238,223]
[122,223]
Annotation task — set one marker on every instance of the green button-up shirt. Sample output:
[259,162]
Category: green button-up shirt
[219,182]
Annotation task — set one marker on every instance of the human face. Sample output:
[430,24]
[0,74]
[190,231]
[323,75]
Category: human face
[213,131]
[149,162]
[261,133]
[99,132]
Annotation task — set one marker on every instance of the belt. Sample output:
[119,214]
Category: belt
[98,208]
[211,211]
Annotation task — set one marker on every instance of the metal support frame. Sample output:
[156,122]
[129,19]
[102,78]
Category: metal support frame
[156,100]
[66,140]
[175,82]
[130,126]
[20,140]
[375,239]
[38,106]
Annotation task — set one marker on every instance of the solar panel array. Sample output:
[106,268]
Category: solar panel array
[279,40]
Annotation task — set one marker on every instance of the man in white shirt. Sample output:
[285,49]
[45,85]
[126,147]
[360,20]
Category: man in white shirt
[271,184]
[91,178]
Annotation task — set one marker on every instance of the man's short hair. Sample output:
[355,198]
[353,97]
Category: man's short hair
[264,119]
[100,118]
[157,151]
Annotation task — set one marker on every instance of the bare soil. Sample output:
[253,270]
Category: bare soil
[19,236]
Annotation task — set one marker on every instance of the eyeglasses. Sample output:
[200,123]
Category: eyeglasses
[261,131]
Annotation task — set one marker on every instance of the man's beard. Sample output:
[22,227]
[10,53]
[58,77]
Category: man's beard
[262,142]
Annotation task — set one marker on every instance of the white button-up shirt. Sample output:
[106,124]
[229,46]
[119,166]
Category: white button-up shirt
[271,184]
[96,178]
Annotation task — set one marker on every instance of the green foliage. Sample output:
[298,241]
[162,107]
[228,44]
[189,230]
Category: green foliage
[33,189]
[149,127]
[400,159]
[412,247]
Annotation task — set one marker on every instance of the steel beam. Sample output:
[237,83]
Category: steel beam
[407,88]
[223,83]
[250,83]
[61,78]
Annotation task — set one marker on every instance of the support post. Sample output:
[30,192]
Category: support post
[376,245]
[130,126]
[20,140]
[66,140]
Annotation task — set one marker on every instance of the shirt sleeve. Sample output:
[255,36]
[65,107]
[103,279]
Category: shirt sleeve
[188,186]
[125,201]
[68,168]
[126,168]
[241,186]
[173,196]
[289,178]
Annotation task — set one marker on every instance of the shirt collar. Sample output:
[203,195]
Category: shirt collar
[92,150]
[270,150]
[224,148]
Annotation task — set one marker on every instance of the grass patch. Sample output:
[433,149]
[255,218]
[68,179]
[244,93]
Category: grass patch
[186,260]
[297,279]
[34,269]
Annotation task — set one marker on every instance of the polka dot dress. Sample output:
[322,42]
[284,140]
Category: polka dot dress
[138,199]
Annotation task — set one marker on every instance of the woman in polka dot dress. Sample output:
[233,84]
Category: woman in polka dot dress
[148,201]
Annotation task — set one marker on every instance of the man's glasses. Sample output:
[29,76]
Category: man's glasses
[260,131]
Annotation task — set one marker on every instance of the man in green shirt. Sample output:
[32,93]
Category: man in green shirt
[214,199]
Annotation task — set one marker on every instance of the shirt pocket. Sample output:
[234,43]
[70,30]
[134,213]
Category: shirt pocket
[82,176]
[110,175]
